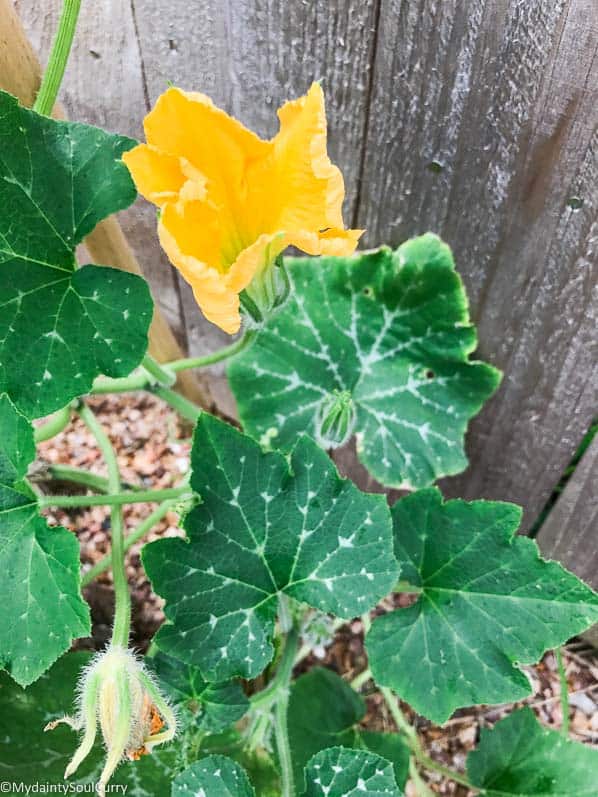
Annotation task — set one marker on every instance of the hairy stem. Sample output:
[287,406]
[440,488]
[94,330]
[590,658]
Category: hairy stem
[564,691]
[122,608]
[113,498]
[138,532]
[281,731]
[61,49]
[53,426]
[214,357]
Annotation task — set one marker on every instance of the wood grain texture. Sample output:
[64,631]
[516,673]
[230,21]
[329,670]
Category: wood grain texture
[570,532]
[482,127]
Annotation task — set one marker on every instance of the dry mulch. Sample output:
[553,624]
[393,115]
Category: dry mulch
[153,448]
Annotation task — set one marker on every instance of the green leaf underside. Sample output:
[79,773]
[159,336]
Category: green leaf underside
[214,776]
[324,712]
[520,758]
[488,603]
[61,327]
[42,608]
[392,329]
[212,707]
[30,756]
[339,772]
[265,527]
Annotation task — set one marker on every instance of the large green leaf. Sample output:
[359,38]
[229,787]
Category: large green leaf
[60,327]
[339,772]
[488,602]
[210,707]
[30,756]
[263,530]
[520,758]
[324,712]
[42,607]
[213,776]
[376,344]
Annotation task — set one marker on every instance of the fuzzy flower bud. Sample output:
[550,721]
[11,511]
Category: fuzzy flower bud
[117,693]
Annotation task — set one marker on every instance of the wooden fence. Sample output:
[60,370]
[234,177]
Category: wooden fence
[476,119]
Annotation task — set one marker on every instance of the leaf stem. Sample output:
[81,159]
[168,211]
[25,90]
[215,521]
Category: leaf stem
[122,597]
[405,727]
[61,49]
[162,374]
[126,384]
[185,408]
[113,498]
[138,532]
[564,691]
[281,730]
[214,357]
[53,426]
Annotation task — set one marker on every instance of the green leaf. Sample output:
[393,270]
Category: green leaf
[42,607]
[211,707]
[323,712]
[377,345]
[263,530]
[258,764]
[339,772]
[61,327]
[30,756]
[488,603]
[215,776]
[520,758]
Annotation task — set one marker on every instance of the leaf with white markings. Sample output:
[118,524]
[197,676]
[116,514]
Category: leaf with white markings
[60,327]
[520,758]
[265,527]
[42,608]
[487,603]
[210,707]
[324,712]
[338,772]
[377,345]
[214,776]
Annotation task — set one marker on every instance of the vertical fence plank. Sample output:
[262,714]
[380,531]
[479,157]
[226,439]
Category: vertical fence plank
[483,129]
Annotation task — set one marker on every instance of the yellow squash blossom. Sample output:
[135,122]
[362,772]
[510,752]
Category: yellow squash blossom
[231,202]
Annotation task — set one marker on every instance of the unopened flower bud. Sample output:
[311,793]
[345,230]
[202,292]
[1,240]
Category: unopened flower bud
[336,419]
[116,692]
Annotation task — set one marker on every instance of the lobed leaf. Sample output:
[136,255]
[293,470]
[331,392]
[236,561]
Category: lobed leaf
[42,607]
[488,602]
[60,327]
[338,772]
[378,345]
[520,758]
[265,527]
[216,776]
[324,712]
[210,707]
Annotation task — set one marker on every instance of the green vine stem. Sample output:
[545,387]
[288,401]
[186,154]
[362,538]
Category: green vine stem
[281,731]
[214,357]
[53,426]
[187,409]
[138,532]
[564,691]
[162,374]
[61,48]
[122,608]
[126,384]
[93,481]
[114,498]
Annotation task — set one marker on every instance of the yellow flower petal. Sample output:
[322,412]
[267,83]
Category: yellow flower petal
[232,202]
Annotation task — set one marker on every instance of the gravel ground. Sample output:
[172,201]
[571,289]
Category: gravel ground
[153,449]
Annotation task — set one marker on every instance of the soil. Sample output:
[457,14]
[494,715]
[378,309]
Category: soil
[153,448]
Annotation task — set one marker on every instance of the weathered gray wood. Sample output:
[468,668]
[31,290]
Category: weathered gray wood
[482,127]
[104,86]
[570,533]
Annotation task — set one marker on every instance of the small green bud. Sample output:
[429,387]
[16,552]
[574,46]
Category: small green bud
[336,419]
